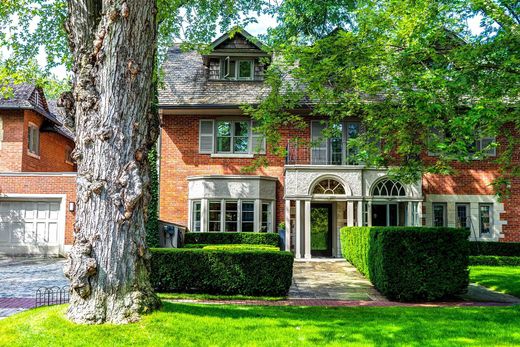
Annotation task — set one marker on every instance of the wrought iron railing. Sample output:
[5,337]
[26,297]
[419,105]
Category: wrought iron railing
[331,152]
[46,296]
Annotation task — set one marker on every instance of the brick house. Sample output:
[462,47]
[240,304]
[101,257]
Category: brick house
[37,176]
[206,141]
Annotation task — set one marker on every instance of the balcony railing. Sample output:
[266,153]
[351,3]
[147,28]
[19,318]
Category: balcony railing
[334,152]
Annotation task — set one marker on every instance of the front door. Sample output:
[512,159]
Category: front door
[321,230]
[384,214]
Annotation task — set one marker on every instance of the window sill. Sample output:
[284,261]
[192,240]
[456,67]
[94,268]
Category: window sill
[33,155]
[232,155]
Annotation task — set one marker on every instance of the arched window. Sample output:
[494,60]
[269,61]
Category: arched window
[388,187]
[329,187]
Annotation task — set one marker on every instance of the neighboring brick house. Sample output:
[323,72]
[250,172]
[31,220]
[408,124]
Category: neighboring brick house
[206,141]
[37,176]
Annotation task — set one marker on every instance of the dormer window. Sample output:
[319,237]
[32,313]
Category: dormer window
[237,69]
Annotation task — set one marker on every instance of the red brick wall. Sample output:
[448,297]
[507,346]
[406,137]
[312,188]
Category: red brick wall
[180,159]
[44,184]
[11,146]
[52,149]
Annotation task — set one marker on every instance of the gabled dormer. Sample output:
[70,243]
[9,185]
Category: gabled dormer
[237,56]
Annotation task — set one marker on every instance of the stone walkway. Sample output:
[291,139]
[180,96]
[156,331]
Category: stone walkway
[331,279]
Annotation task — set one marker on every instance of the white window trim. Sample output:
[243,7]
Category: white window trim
[30,152]
[251,152]
[444,214]
[344,142]
[226,61]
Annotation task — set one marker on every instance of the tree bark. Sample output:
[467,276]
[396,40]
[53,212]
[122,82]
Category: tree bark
[114,45]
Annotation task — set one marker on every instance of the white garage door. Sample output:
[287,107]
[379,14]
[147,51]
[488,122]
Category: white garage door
[28,223]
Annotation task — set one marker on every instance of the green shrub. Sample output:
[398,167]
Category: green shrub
[493,260]
[195,245]
[241,247]
[509,249]
[226,272]
[232,238]
[410,263]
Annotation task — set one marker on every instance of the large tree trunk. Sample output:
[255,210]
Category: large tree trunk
[114,44]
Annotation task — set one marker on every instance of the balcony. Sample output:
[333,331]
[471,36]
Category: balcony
[331,152]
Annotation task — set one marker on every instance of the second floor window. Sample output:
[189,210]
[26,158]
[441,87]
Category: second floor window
[334,150]
[230,137]
[33,139]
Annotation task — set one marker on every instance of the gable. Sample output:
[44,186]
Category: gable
[238,41]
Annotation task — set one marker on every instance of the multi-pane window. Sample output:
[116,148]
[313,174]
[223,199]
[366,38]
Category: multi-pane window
[335,149]
[485,212]
[233,136]
[248,216]
[231,215]
[237,69]
[439,215]
[33,139]
[266,217]
[463,216]
[215,213]
[196,214]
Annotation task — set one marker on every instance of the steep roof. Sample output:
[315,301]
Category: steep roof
[186,84]
[60,116]
[27,96]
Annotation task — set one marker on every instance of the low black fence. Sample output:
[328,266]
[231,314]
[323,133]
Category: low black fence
[46,296]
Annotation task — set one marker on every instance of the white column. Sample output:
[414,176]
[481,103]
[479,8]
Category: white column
[287,225]
[204,225]
[409,214]
[360,213]
[369,217]
[257,224]
[298,231]
[350,213]
[307,229]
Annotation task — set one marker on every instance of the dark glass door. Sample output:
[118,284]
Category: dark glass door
[385,215]
[321,230]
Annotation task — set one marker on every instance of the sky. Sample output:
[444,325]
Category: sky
[263,23]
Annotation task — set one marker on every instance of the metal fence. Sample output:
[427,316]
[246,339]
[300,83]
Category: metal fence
[46,296]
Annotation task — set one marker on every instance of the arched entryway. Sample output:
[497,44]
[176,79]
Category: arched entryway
[389,206]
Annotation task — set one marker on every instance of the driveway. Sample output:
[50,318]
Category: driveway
[20,277]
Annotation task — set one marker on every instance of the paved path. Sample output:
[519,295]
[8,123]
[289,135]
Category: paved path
[20,277]
[331,279]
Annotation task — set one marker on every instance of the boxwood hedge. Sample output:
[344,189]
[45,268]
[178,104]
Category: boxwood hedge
[510,249]
[493,260]
[232,238]
[227,272]
[410,263]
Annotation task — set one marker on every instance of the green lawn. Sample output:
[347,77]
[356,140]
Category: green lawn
[224,325]
[190,296]
[504,279]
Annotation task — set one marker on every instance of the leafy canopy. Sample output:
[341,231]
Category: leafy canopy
[412,70]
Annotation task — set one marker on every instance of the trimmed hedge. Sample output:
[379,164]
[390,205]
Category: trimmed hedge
[410,263]
[240,247]
[492,260]
[232,238]
[226,272]
[509,249]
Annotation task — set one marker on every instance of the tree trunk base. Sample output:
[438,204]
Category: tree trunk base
[114,308]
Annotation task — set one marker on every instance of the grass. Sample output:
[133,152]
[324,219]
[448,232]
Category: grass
[189,296]
[226,325]
[504,279]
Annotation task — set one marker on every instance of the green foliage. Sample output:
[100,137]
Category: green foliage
[410,263]
[232,238]
[403,67]
[493,260]
[244,272]
[494,248]
[152,223]
[241,247]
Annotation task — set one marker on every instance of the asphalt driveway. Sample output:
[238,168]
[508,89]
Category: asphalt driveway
[20,277]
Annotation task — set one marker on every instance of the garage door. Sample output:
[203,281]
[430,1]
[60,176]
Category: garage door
[28,223]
